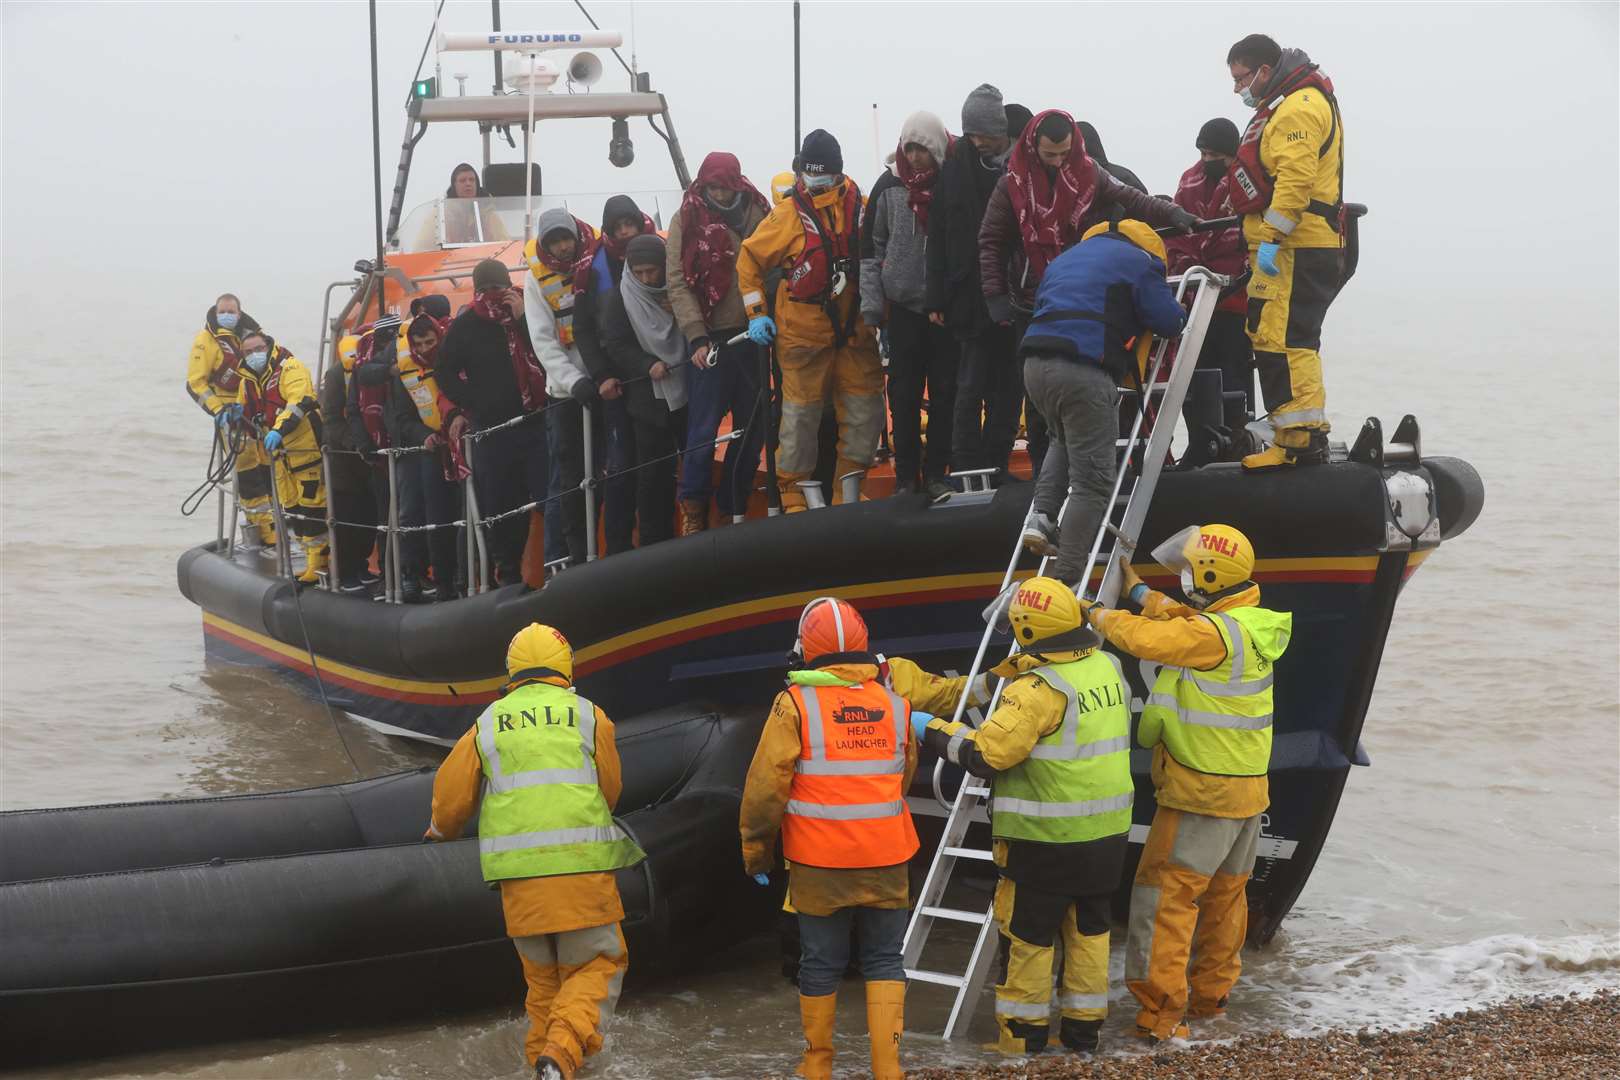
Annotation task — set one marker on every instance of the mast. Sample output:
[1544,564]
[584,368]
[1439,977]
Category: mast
[376,159]
[797,134]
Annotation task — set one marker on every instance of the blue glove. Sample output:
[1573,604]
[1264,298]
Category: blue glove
[761,330]
[1266,259]
[228,415]
[919,721]
[272,442]
[762,879]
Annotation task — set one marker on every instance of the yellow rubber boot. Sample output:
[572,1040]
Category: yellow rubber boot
[792,495]
[1293,446]
[314,563]
[885,1018]
[267,531]
[818,1014]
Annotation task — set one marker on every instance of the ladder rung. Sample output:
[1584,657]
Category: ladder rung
[981,792]
[977,918]
[969,853]
[939,977]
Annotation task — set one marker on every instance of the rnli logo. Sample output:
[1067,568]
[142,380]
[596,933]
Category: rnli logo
[1245,183]
[1033,600]
[858,714]
[527,718]
[1220,545]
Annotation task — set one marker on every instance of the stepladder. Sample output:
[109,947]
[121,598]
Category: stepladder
[1149,410]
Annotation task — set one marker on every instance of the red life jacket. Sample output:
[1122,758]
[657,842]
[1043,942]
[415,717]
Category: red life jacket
[373,399]
[227,376]
[811,276]
[262,401]
[1249,185]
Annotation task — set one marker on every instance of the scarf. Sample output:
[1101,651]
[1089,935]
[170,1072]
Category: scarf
[579,267]
[531,379]
[919,185]
[658,335]
[708,251]
[421,322]
[1049,211]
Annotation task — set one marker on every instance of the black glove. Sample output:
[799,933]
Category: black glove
[1000,309]
[1182,220]
[583,391]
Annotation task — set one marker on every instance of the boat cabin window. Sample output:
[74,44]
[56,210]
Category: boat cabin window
[453,223]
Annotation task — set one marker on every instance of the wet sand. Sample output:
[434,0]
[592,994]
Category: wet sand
[1524,1039]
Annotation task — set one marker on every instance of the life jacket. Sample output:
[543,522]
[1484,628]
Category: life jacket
[1250,187]
[557,289]
[227,375]
[826,255]
[264,402]
[373,399]
[423,388]
[847,803]
[542,811]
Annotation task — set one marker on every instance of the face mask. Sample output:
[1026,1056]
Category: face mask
[1214,170]
[257,360]
[1190,590]
[227,319]
[820,182]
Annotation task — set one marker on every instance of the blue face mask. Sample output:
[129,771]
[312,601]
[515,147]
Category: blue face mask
[820,181]
[227,319]
[257,360]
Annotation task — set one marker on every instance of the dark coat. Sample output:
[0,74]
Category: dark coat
[965,184]
[626,359]
[476,347]
[348,471]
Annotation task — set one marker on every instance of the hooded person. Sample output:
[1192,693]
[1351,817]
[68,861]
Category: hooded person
[894,286]
[415,417]
[488,369]
[213,376]
[1203,192]
[1287,180]
[825,350]
[719,211]
[1208,723]
[988,393]
[1097,307]
[277,399]
[559,894]
[468,214]
[648,370]
[1056,751]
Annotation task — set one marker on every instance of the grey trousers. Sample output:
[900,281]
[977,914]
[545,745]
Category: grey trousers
[1079,403]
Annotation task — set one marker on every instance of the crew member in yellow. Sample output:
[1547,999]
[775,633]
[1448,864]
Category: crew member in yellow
[1208,722]
[825,349]
[1057,752]
[277,398]
[541,771]
[1287,181]
[830,774]
[213,375]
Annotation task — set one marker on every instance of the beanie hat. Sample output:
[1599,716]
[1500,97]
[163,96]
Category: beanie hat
[552,220]
[820,155]
[982,112]
[1018,118]
[1219,136]
[927,131]
[491,274]
[646,249]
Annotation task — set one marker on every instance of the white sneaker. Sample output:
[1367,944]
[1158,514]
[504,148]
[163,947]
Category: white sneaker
[1040,536]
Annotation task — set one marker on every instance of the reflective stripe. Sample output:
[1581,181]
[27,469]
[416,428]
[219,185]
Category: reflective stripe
[846,811]
[1234,634]
[1209,719]
[1031,808]
[1281,222]
[1233,688]
[1024,1010]
[1302,416]
[812,722]
[433,831]
[815,762]
[866,767]
[1082,1001]
[589,834]
[752,297]
[500,781]
[1084,750]
[953,748]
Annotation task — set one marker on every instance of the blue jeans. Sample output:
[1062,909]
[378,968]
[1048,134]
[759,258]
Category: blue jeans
[824,947]
[732,386]
[427,498]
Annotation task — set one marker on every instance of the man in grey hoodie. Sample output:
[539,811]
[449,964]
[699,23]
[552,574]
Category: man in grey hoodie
[894,284]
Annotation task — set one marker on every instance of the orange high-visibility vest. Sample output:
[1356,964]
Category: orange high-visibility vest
[847,804]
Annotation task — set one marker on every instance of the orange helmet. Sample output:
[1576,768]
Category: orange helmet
[829,625]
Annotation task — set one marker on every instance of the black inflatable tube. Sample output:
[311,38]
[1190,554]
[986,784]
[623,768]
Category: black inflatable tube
[335,936]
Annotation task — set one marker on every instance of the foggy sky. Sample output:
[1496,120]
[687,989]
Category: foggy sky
[191,148]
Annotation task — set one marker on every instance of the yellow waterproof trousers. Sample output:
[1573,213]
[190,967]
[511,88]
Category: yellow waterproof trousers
[1032,924]
[1285,325]
[1188,900]
[300,485]
[852,378]
[253,488]
[574,980]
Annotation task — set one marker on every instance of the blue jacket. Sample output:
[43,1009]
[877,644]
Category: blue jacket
[1096,298]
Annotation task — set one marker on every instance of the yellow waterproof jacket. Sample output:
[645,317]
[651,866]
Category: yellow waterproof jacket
[288,379]
[206,358]
[542,905]
[1172,633]
[777,243]
[822,890]
[1291,153]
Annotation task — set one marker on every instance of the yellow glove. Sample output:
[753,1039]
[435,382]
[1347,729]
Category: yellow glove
[1091,612]
[1129,576]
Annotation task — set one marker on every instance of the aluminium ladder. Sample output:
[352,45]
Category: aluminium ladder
[1142,455]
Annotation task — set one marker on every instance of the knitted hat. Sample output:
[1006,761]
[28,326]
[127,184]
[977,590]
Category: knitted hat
[491,274]
[645,250]
[820,155]
[1018,118]
[983,113]
[550,221]
[1220,135]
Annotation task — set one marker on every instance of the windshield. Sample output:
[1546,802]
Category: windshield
[453,223]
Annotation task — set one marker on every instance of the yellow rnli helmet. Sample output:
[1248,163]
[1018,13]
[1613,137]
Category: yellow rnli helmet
[782,186]
[1211,559]
[539,651]
[346,347]
[1041,608]
[1139,233]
